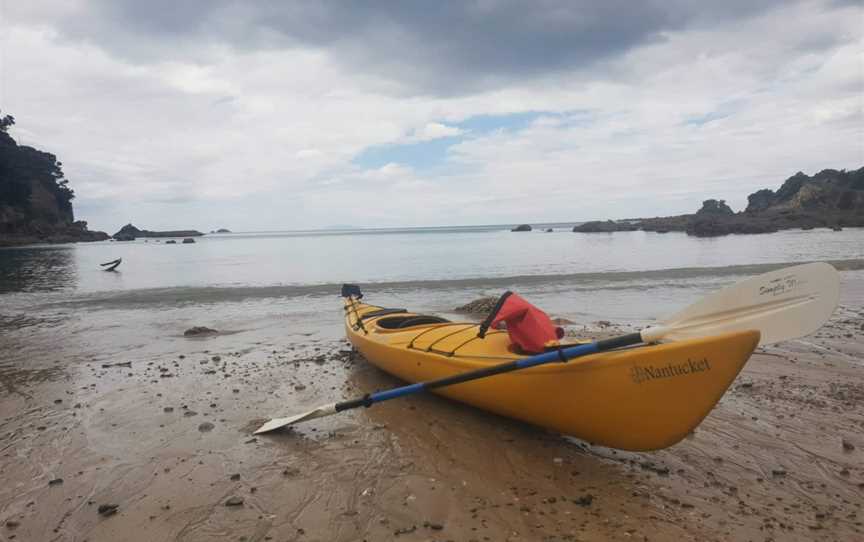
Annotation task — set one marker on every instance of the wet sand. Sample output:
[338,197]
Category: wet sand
[167,439]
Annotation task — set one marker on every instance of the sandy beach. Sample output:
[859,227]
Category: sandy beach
[642,172]
[159,447]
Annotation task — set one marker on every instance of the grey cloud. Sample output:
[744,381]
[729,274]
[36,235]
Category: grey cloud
[427,47]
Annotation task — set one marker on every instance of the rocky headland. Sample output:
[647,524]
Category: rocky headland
[829,199]
[35,199]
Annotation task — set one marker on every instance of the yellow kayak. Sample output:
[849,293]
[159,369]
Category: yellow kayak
[642,398]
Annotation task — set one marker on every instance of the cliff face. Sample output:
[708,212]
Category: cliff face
[829,190]
[35,201]
[830,198]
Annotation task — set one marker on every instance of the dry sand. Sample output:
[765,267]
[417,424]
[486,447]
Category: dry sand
[167,440]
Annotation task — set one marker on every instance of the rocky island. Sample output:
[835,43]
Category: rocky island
[35,199]
[829,199]
[130,233]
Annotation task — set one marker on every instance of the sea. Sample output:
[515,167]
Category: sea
[58,305]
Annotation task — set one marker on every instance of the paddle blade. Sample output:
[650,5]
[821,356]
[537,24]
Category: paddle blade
[277,423]
[783,304]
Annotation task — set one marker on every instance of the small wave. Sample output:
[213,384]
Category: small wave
[21,321]
[614,280]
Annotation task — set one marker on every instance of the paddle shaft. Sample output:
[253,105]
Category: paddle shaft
[563,355]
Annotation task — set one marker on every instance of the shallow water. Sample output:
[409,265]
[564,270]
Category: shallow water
[57,303]
[410,255]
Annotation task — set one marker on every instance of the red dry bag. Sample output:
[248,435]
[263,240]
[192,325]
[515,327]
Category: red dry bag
[530,329]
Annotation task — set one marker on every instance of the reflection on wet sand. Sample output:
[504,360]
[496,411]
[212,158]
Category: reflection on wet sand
[495,476]
[16,380]
[17,372]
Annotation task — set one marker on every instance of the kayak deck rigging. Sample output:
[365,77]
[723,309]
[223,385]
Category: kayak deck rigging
[367,317]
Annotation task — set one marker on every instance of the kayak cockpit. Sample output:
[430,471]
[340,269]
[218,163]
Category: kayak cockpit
[409,320]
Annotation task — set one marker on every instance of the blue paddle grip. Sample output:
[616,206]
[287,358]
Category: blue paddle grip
[398,392]
[568,353]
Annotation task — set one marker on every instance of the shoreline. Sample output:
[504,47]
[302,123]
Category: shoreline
[166,438]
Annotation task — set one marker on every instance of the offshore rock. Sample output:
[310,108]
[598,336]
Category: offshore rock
[724,225]
[600,226]
[130,230]
[199,331]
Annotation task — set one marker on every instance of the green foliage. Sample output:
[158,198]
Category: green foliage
[856,179]
[715,207]
[22,168]
[760,200]
[791,187]
[6,122]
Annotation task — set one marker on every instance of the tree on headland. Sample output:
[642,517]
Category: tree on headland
[715,207]
[6,122]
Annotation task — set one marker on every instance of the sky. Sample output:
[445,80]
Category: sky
[275,115]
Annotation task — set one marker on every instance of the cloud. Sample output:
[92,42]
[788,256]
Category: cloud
[273,115]
[433,130]
[445,48]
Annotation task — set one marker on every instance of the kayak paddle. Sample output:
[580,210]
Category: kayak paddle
[782,304]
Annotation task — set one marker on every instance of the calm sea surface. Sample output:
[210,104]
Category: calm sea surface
[271,284]
[443,255]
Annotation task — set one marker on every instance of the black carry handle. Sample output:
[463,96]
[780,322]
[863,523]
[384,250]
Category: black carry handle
[484,327]
[351,290]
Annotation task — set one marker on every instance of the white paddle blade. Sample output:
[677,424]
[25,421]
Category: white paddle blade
[783,304]
[277,423]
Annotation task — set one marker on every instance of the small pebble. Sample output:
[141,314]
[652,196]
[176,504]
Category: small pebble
[234,501]
[107,509]
[585,500]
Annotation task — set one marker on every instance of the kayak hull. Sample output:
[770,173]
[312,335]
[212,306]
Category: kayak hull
[643,398]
